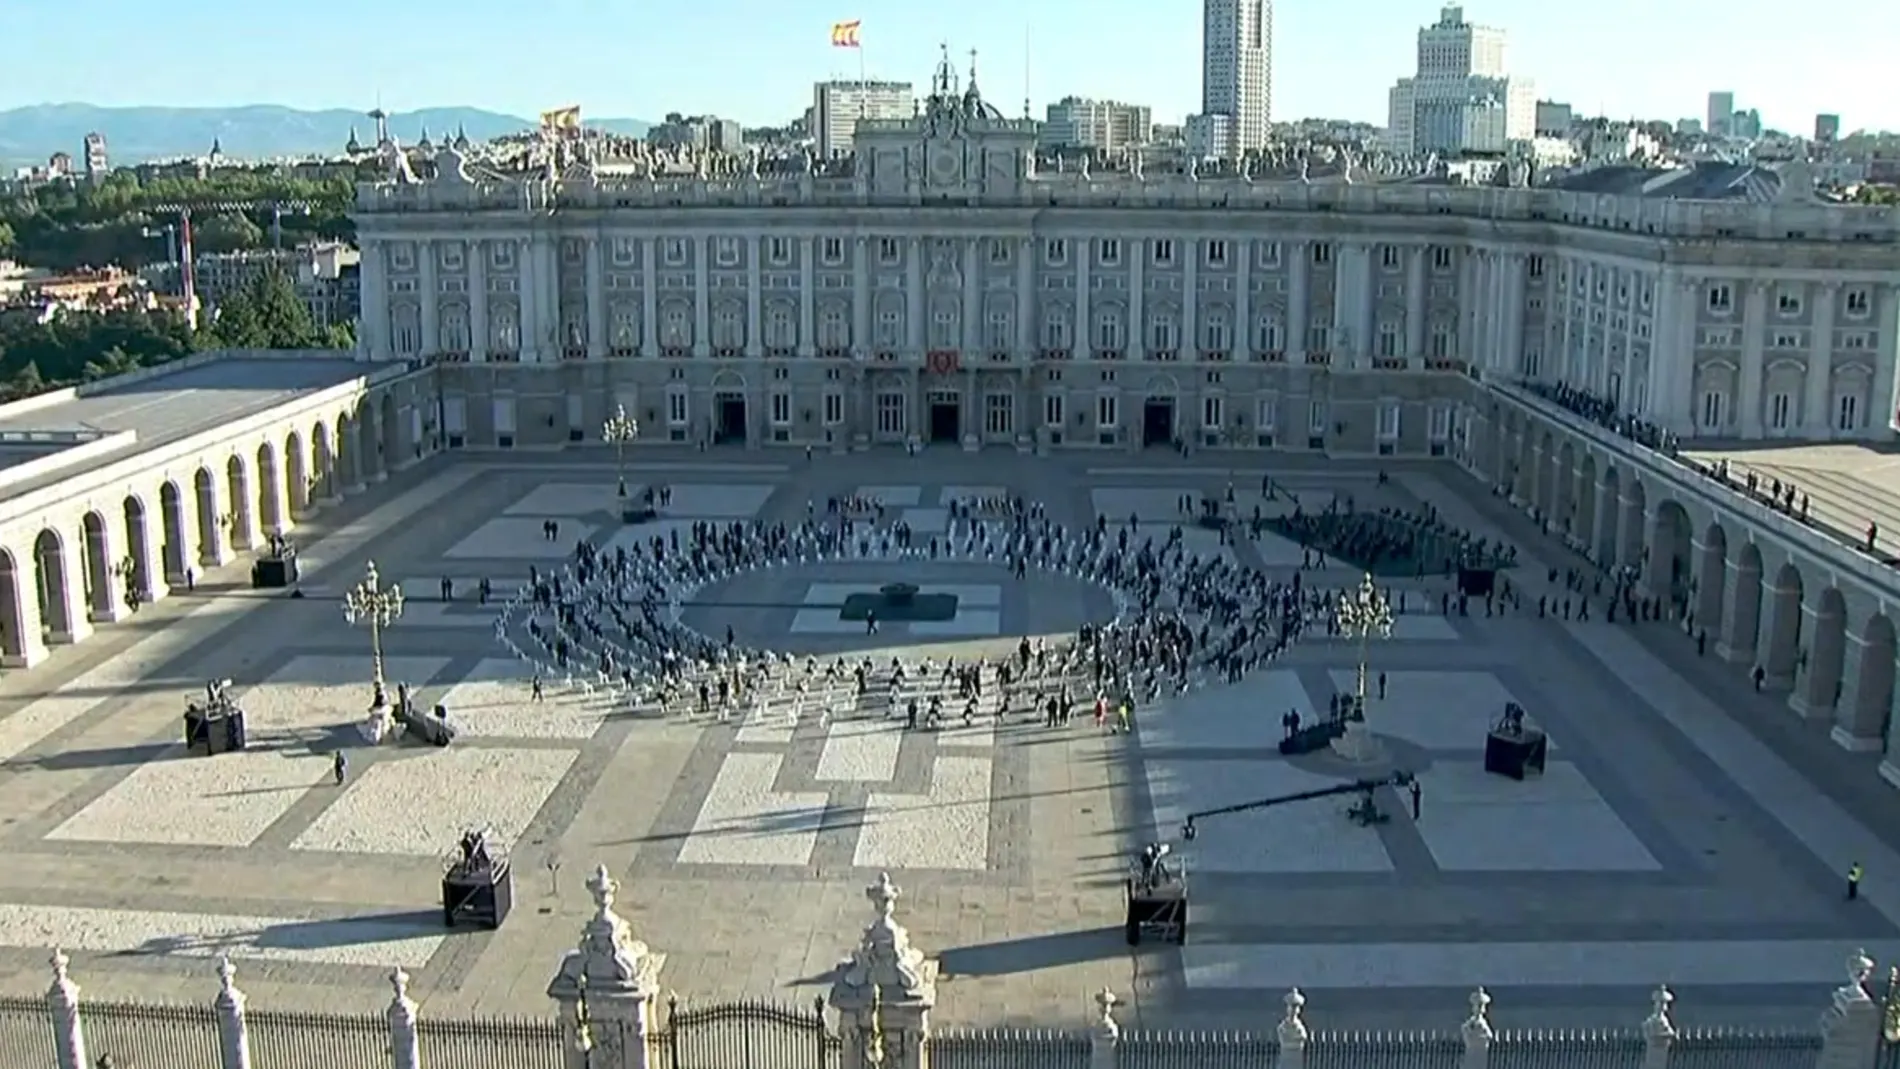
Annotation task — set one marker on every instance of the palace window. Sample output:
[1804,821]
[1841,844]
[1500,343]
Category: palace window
[997,335]
[1712,408]
[1388,340]
[1164,334]
[1322,253]
[1108,330]
[676,252]
[728,328]
[1847,412]
[778,250]
[726,252]
[1052,410]
[1216,337]
[890,328]
[622,252]
[943,329]
[1268,336]
[1055,252]
[781,408]
[1164,252]
[1108,252]
[834,328]
[834,408]
[781,327]
[1266,413]
[1780,411]
[999,251]
[1389,257]
[999,414]
[676,327]
[678,406]
[1441,259]
[1859,303]
[889,252]
[1055,328]
[1721,298]
[1108,411]
[832,251]
[1213,412]
[1217,253]
[1389,421]
[890,413]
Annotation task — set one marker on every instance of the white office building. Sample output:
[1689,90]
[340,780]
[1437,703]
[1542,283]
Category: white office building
[837,108]
[1236,79]
[1077,122]
[1463,99]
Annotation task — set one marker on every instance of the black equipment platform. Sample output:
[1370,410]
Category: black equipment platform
[272,573]
[1477,582]
[479,899]
[1514,754]
[1158,911]
[214,731]
[435,728]
[1312,738]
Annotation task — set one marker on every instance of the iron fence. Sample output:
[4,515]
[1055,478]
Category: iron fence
[751,1034]
[1008,1047]
[1147,1049]
[498,1043]
[150,1036]
[1725,1048]
[26,1033]
[1386,1050]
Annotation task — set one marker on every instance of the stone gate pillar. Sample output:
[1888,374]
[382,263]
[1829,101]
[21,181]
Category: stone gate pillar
[605,989]
[885,992]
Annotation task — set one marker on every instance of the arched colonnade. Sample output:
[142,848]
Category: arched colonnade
[1818,632]
[85,561]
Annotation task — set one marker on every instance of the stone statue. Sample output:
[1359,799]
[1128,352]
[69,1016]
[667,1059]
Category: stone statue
[1134,164]
[1348,159]
[1305,166]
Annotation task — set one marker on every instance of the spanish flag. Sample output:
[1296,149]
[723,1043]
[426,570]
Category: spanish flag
[845,34]
[568,118]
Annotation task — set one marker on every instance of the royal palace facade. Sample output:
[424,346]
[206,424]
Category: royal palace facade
[943,284]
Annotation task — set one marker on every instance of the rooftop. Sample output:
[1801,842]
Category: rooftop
[154,408]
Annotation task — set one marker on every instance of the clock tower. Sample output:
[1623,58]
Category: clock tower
[958,147]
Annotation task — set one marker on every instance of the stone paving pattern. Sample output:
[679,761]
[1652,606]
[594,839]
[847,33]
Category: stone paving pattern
[1687,831]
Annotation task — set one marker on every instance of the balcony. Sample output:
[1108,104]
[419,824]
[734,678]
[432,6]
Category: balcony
[623,352]
[504,356]
[676,352]
[1000,356]
[780,352]
[1165,356]
[1389,363]
[728,352]
[1052,354]
[1270,356]
[451,358]
[885,356]
[1319,359]
[1109,354]
[574,352]
[835,352]
[1215,356]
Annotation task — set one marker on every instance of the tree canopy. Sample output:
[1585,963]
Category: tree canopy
[124,218]
[268,314]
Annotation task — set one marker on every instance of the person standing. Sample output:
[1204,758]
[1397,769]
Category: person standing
[1854,873]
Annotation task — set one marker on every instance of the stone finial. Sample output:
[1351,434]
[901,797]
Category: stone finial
[400,1002]
[229,997]
[63,987]
[609,960]
[1292,1030]
[1859,968]
[1105,1024]
[1477,1027]
[883,895]
[1657,1027]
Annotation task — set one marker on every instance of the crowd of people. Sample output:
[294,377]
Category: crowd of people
[1419,541]
[1605,413]
[612,621]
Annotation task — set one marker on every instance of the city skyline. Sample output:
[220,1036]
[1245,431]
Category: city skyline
[1328,62]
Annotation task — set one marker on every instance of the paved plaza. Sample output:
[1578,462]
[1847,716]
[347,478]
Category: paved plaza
[1684,832]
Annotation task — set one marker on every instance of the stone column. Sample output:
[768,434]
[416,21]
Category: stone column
[807,296]
[1415,286]
[1782,645]
[1136,344]
[1299,261]
[605,989]
[1026,344]
[884,992]
[914,311]
[71,591]
[860,308]
[650,298]
[528,310]
[702,297]
[1711,570]
[1105,1035]
[1244,333]
[478,301]
[1659,1032]
[1741,615]
[405,1048]
[234,1036]
[970,339]
[1477,1033]
[1817,396]
[755,304]
[1850,1029]
[1629,532]
[596,277]
[1822,677]
[1747,415]
[1190,341]
[62,1003]
[1291,1033]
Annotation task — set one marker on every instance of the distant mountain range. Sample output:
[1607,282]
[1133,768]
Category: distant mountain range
[258,131]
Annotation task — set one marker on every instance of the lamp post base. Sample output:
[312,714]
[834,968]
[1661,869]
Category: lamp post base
[379,726]
[1359,745]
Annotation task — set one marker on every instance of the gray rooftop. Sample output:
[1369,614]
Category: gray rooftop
[1703,181]
[166,407]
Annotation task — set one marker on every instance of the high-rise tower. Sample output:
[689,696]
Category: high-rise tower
[1236,79]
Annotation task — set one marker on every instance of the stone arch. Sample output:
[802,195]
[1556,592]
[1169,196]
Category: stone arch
[210,523]
[296,475]
[1671,561]
[1162,386]
[95,565]
[53,585]
[13,616]
[1868,719]
[175,545]
[270,497]
[1711,578]
[346,453]
[1781,645]
[323,460]
[1741,620]
[138,549]
[1609,509]
[1632,515]
[237,488]
[1821,679]
[1583,487]
[1563,485]
[389,417]
[364,445]
[728,381]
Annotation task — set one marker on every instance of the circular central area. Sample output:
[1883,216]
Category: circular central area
[873,603]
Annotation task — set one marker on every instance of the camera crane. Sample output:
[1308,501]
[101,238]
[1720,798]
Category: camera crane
[183,250]
[1156,890]
[1365,812]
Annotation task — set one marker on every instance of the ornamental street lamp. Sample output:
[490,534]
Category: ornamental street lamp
[378,604]
[1363,614]
[620,429]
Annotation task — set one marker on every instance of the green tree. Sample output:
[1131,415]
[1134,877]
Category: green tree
[76,347]
[227,232]
[266,314]
[6,238]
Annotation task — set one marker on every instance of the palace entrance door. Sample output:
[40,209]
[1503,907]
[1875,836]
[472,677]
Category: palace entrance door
[1157,421]
[946,416]
[729,418]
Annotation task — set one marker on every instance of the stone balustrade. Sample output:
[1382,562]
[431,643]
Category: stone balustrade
[881,998]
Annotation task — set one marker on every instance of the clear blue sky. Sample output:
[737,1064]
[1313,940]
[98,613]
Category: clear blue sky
[755,60]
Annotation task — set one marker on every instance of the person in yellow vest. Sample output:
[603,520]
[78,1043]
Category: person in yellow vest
[1853,881]
[1122,716]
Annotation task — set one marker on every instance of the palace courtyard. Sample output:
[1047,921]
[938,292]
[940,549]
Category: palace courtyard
[1687,831]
